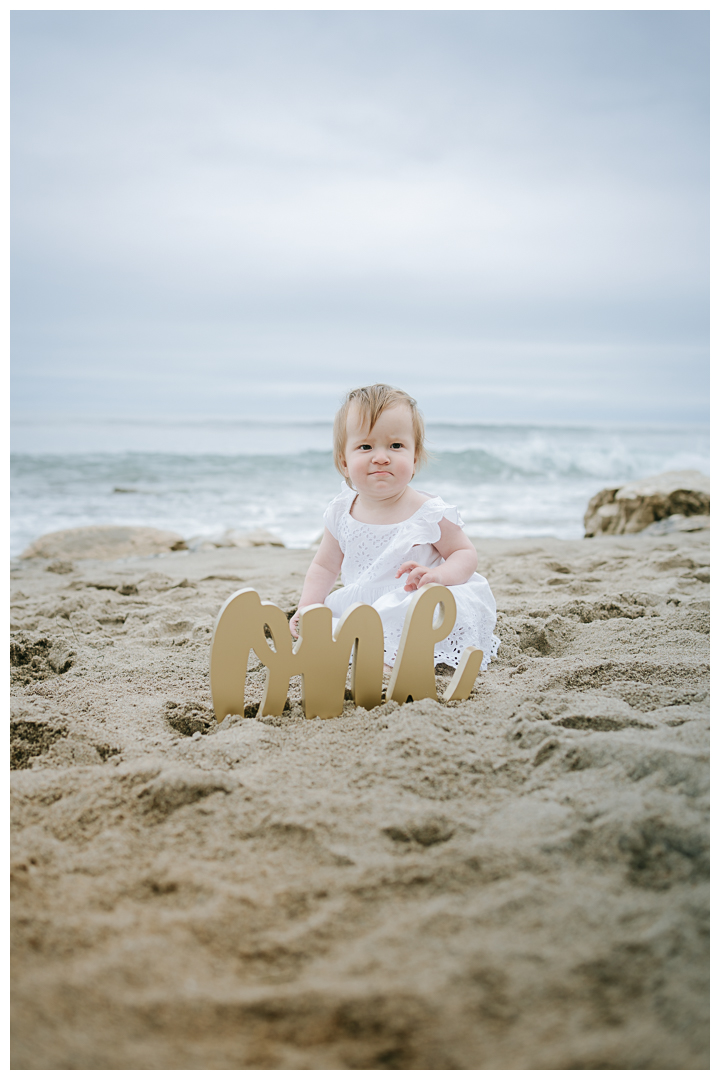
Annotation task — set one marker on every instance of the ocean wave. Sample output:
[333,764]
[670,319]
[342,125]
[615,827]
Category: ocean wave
[521,481]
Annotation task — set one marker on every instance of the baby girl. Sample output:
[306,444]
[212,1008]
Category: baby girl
[379,529]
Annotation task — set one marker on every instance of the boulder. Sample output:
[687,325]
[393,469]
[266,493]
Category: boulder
[103,542]
[633,507]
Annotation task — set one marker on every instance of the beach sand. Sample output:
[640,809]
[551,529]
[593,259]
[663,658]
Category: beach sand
[518,881]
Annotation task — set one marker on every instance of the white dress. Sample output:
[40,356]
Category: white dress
[372,555]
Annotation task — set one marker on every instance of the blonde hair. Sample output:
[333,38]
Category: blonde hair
[371,401]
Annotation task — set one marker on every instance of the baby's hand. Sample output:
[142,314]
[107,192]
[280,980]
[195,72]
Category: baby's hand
[419,575]
[294,624]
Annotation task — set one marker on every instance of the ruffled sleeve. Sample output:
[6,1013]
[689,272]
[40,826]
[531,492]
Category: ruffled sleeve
[336,509]
[426,522]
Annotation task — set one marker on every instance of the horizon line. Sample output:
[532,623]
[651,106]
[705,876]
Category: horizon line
[257,421]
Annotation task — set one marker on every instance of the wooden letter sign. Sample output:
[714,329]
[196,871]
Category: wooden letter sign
[321,658]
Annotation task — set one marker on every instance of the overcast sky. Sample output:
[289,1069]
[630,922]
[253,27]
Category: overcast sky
[245,213]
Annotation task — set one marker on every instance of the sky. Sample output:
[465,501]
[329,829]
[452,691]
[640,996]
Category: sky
[245,214]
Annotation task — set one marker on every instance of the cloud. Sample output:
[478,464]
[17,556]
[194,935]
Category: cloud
[210,192]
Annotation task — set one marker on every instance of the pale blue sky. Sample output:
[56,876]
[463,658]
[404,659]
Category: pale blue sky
[245,213]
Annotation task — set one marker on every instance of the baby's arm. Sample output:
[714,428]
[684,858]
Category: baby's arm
[460,561]
[321,576]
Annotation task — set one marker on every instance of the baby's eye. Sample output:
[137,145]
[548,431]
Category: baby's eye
[365,446]
[396,446]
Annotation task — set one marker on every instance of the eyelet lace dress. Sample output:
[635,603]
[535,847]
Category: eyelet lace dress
[372,555]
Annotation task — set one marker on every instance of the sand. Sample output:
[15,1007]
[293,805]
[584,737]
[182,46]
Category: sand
[518,881]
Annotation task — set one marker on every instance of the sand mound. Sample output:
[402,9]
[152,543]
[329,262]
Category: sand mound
[516,881]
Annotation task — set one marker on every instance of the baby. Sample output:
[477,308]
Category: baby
[379,529]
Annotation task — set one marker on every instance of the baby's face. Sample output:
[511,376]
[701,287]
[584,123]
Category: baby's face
[381,462]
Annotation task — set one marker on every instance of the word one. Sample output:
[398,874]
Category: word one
[321,658]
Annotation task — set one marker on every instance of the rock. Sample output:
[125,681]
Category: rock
[678,523]
[235,538]
[637,506]
[104,542]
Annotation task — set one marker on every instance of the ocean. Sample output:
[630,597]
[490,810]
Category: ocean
[200,477]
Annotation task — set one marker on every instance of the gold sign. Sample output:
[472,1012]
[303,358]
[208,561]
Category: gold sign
[321,658]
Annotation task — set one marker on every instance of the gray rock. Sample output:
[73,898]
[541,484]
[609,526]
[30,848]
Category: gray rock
[639,505]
